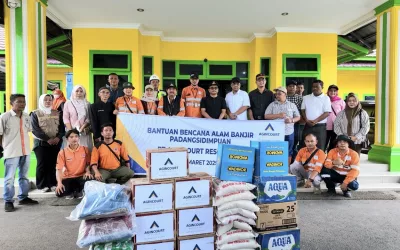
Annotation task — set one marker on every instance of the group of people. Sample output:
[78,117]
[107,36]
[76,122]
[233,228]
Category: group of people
[78,137]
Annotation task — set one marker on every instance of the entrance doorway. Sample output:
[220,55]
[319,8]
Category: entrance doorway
[306,80]
[224,86]
[101,80]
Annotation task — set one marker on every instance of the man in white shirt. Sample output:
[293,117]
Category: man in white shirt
[315,110]
[237,101]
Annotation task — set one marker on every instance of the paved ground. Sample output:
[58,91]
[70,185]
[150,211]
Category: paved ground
[324,224]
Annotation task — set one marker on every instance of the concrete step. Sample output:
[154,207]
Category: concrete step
[378,177]
[363,187]
[367,166]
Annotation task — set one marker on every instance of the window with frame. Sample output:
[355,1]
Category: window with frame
[147,69]
[265,68]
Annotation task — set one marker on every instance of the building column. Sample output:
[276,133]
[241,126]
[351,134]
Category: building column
[26,52]
[386,148]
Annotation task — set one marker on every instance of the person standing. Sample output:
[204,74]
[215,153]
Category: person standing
[72,169]
[149,100]
[281,108]
[115,90]
[213,106]
[128,103]
[59,100]
[315,110]
[337,105]
[155,82]
[353,121]
[297,100]
[300,89]
[76,115]
[48,130]
[101,112]
[260,99]
[237,101]
[171,105]
[15,126]
[192,96]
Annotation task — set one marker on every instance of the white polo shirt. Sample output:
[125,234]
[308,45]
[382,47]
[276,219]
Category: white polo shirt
[315,106]
[235,101]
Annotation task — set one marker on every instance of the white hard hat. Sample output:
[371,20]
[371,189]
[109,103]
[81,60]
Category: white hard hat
[154,77]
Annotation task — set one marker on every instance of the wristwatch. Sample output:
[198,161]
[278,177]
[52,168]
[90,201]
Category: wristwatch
[312,180]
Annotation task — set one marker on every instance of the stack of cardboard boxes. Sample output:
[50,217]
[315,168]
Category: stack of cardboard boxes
[173,208]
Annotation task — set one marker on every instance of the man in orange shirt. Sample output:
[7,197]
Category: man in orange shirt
[192,96]
[128,103]
[72,167]
[341,166]
[106,158]
[308,163]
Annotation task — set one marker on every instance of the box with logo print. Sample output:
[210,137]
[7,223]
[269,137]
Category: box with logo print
[195,221]
[198,242]
[276,216]
[154,227]
[275,189]
[167,163]
[193,191]
[235,163]
[169,245]
[277,240]
[271,158]
[152,196]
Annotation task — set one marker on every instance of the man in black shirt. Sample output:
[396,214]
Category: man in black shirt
[260,98]
[115,90]
[101,112]
[213,106]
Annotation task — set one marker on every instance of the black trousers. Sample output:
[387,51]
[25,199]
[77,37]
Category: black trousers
[72,185]
[330,140]
[319,130]
[46,165]
[331,177]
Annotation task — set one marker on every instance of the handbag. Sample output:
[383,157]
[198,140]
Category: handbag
[366,143]
[120,159]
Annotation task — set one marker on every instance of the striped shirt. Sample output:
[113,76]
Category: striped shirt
[340,125]
[287,107]
[296,99]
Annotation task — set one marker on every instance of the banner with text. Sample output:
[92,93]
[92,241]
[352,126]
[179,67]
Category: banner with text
[200,136]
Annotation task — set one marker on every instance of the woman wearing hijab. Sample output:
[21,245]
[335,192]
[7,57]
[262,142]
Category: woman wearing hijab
[149,100]
[76,115]
[48,130]
[337,105]
[59,100]
[353,121]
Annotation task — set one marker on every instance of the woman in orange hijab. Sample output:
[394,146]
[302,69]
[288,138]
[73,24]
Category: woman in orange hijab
[59,100]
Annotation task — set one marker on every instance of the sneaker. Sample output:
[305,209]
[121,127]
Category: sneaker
[331,191]
[27,201]
[45,190]
[53,188]
[9,207]
[70,197]
[317,190]
[79,195]
[347,194]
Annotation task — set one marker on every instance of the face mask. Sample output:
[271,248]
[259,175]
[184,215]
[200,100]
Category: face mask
[56,96]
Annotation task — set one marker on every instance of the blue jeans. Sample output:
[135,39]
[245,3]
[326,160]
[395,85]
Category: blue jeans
[11,165]
[290,140]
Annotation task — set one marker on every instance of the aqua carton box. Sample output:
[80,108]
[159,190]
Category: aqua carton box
[280,240]
[235,163]
[271,158]
[275,189]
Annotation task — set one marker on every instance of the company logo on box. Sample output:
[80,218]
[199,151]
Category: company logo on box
[196,247]
[192,193]
[153,195]
[192,190]
[284,242]
[269,127]
[279,189]
[168,165]
[268,130]
[196,219]
[154,225]
[168,162]
[154,228]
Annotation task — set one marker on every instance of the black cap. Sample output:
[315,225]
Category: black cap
[127,85]
[291,83]
[100,89]
[171,85]
[194,75]
[214,83]
[333,86]
[235,79]
[260,75]
[346,139]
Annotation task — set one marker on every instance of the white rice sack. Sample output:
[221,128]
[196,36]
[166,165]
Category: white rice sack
[223,229]
[241,225]
[236,196]
[240,244]
[234,235]
[226,187]
[233,211]
[248,205]
[228,219]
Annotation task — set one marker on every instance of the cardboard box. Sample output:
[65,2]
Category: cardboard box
[271,158]
[152,197]
[170,245]
[203,242]
[195,221]
[167,163]
[155,227]
[279,240]
[193,191]
[235,163]
[277,216]
[275,189]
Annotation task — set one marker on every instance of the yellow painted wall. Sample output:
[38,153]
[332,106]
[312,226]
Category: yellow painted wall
[58,74]
[360,82]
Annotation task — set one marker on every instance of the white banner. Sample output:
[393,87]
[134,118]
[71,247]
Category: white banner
[201,136]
